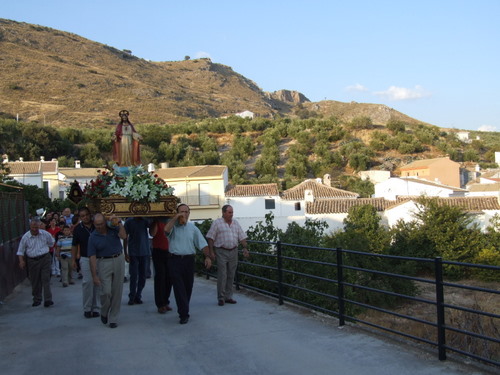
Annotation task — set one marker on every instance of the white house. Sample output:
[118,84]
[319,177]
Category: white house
[464,137]
[82,175]
[482,209]
[375,176]
[252,202]
[334,211]
[42,174]
[400,187]
[201,187]
[246,114]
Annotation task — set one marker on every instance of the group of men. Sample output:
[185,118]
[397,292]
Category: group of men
[101,246]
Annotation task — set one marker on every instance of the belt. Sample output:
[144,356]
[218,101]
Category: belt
[225,248]
[38,257]
[181,256]
[111,256]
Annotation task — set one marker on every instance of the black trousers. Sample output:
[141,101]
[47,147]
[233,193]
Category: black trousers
[162,281]
[181,269]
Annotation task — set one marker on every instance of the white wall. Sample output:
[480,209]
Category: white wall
[30,180]
[394,187]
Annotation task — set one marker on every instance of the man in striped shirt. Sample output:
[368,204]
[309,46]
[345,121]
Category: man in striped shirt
[35,246]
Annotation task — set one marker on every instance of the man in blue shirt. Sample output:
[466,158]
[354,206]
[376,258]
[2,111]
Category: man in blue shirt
[137,253]
[184,238]
[107,265]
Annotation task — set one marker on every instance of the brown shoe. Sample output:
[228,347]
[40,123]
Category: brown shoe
[168,308]
[221,302]
[162,310]
[231,301]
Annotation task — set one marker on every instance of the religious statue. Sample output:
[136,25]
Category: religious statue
[126,150]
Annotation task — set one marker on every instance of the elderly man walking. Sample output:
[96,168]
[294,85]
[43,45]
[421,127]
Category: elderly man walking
[224,236]
[107,266]
[35,246]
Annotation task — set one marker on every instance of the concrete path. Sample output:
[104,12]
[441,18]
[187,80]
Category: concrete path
[255,336]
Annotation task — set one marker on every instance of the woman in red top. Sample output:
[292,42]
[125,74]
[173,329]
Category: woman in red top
[162,283]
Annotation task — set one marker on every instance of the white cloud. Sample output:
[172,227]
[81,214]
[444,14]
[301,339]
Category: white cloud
[403,93]
[201,55]
[356,87]
[487,128]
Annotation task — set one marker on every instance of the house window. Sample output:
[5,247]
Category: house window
[270,204]
[297,206]
[46,188]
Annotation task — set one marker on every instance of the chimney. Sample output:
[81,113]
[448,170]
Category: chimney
[21,159]
[164,165]
[5,158]
[308,195]
[151,167]
[327,180]
[318,180]
[77,164]
[42,158]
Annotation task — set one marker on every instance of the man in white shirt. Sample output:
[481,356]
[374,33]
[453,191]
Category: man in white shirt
[35,246]
[224,236]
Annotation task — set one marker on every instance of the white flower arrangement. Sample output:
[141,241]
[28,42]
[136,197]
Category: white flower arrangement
[134,183]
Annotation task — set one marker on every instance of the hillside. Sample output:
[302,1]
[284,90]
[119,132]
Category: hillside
[62,79]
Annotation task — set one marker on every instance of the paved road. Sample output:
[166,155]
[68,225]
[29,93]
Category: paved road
[255,336]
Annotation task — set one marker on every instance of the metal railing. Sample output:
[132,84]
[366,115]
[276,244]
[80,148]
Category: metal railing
[200,200]
[370,289]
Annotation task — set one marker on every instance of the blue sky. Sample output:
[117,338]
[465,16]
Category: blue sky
[437,61]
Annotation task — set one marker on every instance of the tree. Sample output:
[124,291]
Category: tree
[364,188]
[450,229]
[396,126]
[361,122]
[35,196]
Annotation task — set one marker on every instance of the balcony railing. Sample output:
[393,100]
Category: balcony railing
[201,200]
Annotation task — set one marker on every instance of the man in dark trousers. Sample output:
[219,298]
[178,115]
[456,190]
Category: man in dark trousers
[81,235]
[35,246]
[162,282]
[137,254]
[183,239]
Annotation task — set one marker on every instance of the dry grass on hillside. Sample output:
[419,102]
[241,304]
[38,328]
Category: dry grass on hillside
[454,318]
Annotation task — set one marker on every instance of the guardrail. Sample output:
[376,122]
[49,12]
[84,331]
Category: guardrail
[333,281]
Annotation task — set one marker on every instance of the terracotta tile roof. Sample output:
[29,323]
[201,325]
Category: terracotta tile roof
[425,163]
[319,190]
[49,166]
[203,171]
[258,190]
[335,206]
[471,203]
[491,174]
[484,187]
[25,167]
